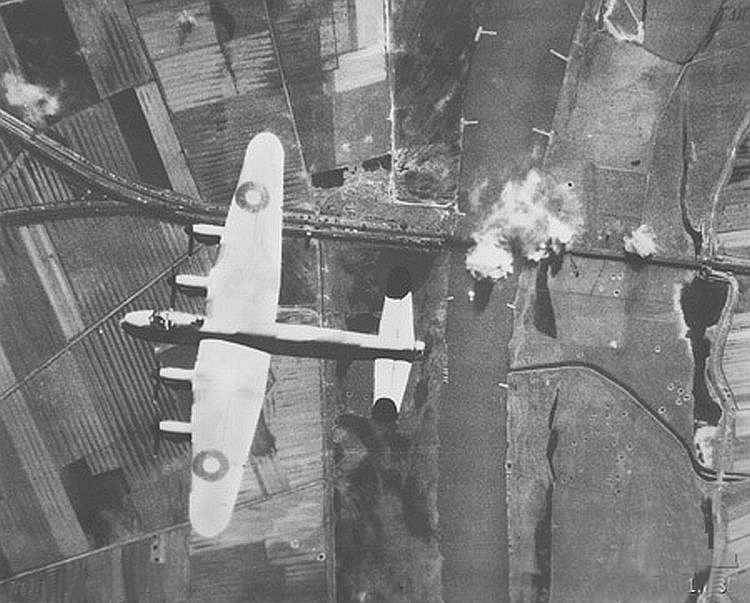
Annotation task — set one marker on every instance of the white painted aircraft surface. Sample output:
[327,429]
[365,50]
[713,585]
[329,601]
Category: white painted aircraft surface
[239,332]
[396,328]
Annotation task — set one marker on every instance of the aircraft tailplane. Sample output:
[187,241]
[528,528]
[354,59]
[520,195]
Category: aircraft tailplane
[396,327]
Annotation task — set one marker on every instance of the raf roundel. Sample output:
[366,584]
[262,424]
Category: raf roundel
[210,465]
[252,196]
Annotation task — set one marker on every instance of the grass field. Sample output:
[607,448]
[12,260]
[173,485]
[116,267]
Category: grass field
[603,504]
[641,536]
[623,319]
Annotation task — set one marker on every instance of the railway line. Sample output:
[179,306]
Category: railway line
[110,194]
[106,193]
[703,473]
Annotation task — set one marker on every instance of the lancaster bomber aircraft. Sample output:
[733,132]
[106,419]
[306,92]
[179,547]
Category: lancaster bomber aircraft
[239,332]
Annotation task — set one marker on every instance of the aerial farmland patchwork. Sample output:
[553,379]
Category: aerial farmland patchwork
[561,191]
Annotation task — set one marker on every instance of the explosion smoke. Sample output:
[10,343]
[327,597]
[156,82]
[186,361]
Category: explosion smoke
[489,259]
[642,241]
[35,102]
[532,219]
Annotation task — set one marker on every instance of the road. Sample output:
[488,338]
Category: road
[513,86]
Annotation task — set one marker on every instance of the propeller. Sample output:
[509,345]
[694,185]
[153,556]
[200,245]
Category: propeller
[191,239]
[156,432]
[155,385]
[158,436]
[173,288]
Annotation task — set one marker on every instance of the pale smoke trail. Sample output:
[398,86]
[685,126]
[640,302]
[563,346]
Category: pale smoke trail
[532,219]
[35,102]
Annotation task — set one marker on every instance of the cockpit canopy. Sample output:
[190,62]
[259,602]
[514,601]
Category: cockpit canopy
[165,320]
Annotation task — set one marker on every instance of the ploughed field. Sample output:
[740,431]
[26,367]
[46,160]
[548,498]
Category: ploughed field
[604,503]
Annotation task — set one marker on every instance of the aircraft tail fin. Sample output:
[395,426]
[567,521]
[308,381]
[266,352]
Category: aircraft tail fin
[396,327]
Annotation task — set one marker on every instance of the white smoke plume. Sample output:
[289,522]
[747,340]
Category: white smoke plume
[534,218]
[642,241]
[36,103]
[489,259]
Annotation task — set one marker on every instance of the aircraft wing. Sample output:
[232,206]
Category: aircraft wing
[229,381]
[243,286]
[229,387]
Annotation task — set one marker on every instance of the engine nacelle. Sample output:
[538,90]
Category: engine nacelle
[177,427]
[206,234]
[191,284]
[176,377]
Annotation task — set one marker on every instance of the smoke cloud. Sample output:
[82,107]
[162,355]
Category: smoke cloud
[642,241]
[36,103]
[489,259]
[534,218]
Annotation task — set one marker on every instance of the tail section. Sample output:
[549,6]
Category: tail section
[397,328]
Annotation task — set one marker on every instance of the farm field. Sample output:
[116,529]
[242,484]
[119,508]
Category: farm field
[603,504]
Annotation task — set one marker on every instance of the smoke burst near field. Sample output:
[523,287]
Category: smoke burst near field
[534,218]
[34,103]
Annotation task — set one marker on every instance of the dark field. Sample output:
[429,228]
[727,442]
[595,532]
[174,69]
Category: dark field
[385,474]
[471,494]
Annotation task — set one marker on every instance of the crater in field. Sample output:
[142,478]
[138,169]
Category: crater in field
[617,514]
